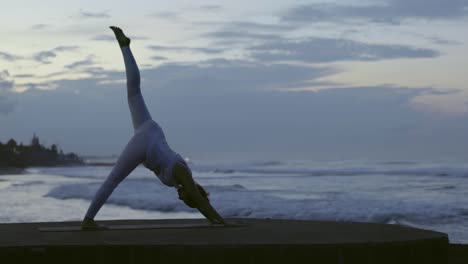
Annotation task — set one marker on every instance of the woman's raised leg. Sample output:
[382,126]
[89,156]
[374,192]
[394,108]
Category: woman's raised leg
[136,103]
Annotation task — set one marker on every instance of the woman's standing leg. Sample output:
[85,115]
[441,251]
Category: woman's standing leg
[133,154]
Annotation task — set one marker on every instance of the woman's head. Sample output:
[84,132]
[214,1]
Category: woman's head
[181,170]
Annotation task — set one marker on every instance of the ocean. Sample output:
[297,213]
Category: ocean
[428,195]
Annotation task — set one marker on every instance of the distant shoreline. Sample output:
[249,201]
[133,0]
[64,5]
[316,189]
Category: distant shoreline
[11,170]
[99,163]
[4,170]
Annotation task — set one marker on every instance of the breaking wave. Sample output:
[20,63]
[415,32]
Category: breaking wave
[238,201]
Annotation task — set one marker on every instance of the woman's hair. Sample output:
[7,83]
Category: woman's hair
[182,168]
[189,202]
[203,192]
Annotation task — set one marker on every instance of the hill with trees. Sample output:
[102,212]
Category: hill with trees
[17,155]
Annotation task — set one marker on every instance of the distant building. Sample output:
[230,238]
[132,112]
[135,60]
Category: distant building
[35,141]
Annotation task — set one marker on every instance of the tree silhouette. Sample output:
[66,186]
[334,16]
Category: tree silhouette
[53,148]
[11,143]
[12,155]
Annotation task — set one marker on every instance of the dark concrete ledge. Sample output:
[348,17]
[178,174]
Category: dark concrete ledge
[261,241]
[458,254]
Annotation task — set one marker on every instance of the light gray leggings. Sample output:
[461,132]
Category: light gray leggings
[135,151]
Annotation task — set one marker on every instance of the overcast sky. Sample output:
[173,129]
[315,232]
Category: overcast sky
[245,79]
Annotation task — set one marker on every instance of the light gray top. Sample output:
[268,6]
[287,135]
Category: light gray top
[159,157]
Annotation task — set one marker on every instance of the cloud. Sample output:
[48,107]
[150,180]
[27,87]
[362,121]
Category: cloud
[231,37]
[103,37]
[389,11]
[38,86]
[9,57]
[159,58]
[233,75]
[166,15]
[211,7]
[250,27]
[441,41]
[45,56]
[317,50]
[186,49]
[52,74]
[65,48]
[85,14]
[227,107]
[234,32]
[24,75]
[272,47]
[5,82]
[6,105]
[95,71]
[180,15]
[262,27]
[216,75]
[39,26]
[431,91]
[78,64]
[232,107]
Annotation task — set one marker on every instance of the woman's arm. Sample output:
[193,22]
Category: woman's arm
[209,212]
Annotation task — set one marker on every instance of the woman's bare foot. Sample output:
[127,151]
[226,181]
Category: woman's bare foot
[90,224]
[123,40]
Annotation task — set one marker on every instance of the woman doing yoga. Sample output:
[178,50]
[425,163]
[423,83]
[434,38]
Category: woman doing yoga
[149,147]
